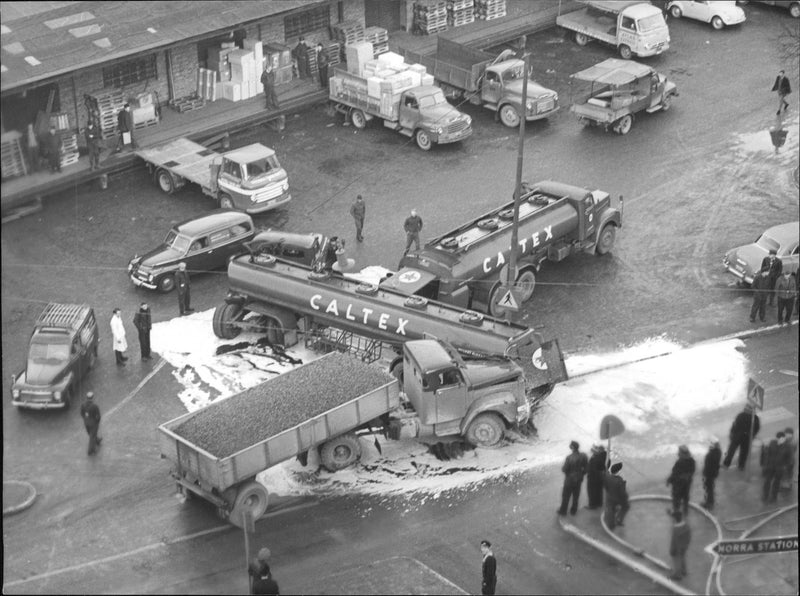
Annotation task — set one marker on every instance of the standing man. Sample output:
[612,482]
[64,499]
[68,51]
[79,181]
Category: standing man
[118,334]
[184,294]
[489,568]
[412,226]
[681,480]
[594,476]
[300,54]
[617,503]
[322,66]
[775,267]
[94,144]
[268,81]
[143,322]
[679,544]
[785,290]
[91,421]
[783,88]
[574,469]
[761,290]
[775,464]
[711,471]
[359,211]
[52,147]
[125,125]
[740,436]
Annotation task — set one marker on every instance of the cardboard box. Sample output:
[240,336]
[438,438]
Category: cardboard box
[231,91]
[390,59]
[427,79]
[417,68]
[374,86]
[358,54]
[415,77]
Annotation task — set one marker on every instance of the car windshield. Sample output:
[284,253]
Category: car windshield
[177,241]
[768,243]
[48,352]
[259,167]
[434,99]
[513,73]
[650,23]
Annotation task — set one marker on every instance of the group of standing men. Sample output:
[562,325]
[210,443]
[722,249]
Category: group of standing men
[773,282]
[301,60]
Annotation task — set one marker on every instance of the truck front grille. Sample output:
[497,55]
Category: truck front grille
[268,193]
[545,105]
[457,126]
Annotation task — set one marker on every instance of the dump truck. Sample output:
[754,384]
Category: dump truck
[249,179]
[492,81]
[420,112]
[216,452]
[329,311]
[634,28]
[468,266]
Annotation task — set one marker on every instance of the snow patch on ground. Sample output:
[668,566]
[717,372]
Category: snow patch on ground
[760,142]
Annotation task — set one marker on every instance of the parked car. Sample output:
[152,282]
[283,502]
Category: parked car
[719,13]
[204,243]
[793,6]
[745,261]
[62,349]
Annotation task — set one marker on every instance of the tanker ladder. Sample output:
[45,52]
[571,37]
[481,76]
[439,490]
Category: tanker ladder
[322,338]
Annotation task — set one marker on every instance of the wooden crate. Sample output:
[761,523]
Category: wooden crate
[187,103]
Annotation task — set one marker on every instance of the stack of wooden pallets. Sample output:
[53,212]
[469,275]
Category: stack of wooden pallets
[379,38]
[430,16]
[13,160]
[103,107]
[69,149]
[348,32]
[334,53]
[460,12]
[187,103]
[490,9]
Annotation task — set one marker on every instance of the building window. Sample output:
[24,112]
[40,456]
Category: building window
[304,22]
[132,71]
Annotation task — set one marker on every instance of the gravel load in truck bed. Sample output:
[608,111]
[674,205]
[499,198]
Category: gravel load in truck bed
[258,413]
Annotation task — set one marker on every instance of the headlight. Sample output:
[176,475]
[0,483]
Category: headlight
[15,393]
[529,105]
[439,130]
[468,119]
[57,395]
[150,277]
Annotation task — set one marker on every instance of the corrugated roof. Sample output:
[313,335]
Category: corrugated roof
[82,34]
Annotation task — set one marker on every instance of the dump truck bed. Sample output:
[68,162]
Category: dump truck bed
[183,157]
[453,64]
[234,439]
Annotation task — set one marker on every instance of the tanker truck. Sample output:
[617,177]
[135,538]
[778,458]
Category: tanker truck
[467,266]
[330,312]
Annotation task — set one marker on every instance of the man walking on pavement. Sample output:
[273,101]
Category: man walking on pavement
[261,580]
[119,342]
[268,81]
[783,88]
[775,267]
[594,476]
[740,436]
[679,544]
[143,322]
[681,480]
[617,503]
[412,226]
[359,210]
[710,472]
[322,66]
[785,290]
[184,294]
[761,291]
[574,469]
[775,463]
[489,569]
[94,144]
[91,421]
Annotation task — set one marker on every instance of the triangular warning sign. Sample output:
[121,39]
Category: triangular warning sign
[508,301]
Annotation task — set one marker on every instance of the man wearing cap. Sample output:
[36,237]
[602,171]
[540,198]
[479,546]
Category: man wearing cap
[740,436]
[261,580]
[594,476]
[574,469]
[775,267]
[681,480]
[616,496]
[184,294]
[761,291]
[711,471]
[489,569]
[91,421]
[412,226]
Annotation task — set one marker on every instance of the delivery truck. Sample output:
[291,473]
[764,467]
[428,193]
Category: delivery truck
[492,81]
[634,28]
[216,452]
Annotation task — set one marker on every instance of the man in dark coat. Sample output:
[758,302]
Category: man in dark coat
[574,469]
[711,471]
[94,143]
[783,88]
[412,227]
[184,294]
[143,322]
[594,476]
[261,580]
[91,421]
[785,291]
[125,125]
[268,81]
[617,503]
[359,211]
[761,291]
[775,464]
[681,480]
[300,54]
[740,436]
[489,569]
[322,66]
[775,267]
[52,146]
[679,544]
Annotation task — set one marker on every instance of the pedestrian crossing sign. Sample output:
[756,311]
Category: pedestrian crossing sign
[509,301]
[755,394]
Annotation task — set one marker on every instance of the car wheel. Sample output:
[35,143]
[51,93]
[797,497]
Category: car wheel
[358,119]
[624,125]
[225,201]
[166,283]
[165,181]
[717,23]
[675,11]
[666,103]
[794,10]
[625,52]
[509,116]
[423,140]
[605,242]
[486,430]
[581,39]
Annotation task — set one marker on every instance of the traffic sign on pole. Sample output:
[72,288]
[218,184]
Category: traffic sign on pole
[509,301]
[755,394]
[753,546]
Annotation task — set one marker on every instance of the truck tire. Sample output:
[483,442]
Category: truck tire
[623,125]
[225,201]
[666,103]
[605,241]
[509,116]
[224,315]
[581,39]
[485,430]
[423,140]
[358,119]
[166,283]
[625,52]
[717,23]
[675,11]
[526,281]
[165,181]
[340,452]
[250,496]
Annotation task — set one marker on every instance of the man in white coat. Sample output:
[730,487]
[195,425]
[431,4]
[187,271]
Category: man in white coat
[118,333]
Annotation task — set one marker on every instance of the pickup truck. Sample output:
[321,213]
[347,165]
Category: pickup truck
[612,92]
[492,81]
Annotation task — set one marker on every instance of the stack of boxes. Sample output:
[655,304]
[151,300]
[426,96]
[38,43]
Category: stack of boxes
[244,67]
[460,12]
[280,56]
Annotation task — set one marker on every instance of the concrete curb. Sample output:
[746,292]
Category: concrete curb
[10,510]
[747,333]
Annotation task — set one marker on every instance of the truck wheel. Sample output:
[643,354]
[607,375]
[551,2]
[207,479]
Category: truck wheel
[224,316]
[225,202]
[358,119]
[166,283]
[675,11]
[397,372]
[581,39]
[666,103]
[252,497]
[605,241]
[165,181]
[623,125]
[423,140]
[717,23]
[486,430]
[509,116]
[625,52]
[339,453]
[526,282]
